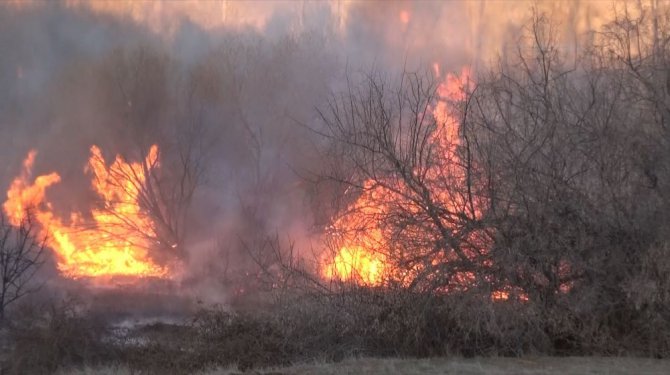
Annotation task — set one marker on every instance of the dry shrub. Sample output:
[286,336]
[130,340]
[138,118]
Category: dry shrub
[248,340]
[369,322]
[160,348]
[49,336]
[357,321]
[383,322]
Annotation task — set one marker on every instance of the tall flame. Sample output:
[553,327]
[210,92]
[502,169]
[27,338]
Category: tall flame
[358,264]
[356,259]
[112,241]
[361,257]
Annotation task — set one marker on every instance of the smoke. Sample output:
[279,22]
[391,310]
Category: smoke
[247,75]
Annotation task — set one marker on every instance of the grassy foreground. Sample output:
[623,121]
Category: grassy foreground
[474,366]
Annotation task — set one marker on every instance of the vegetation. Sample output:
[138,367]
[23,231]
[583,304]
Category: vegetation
[21,256]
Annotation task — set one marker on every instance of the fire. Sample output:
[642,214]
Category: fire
[362,256]
[506,295]
[113,241]
[357,264]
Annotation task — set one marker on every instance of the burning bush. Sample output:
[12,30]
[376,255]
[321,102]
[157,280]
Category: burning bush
[117,241]
[529,184]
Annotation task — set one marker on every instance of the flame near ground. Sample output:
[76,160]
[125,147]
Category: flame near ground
[361,258]
[108,241]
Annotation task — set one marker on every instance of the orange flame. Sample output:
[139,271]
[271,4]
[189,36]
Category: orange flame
[113,243]
[361,258]
[357,264]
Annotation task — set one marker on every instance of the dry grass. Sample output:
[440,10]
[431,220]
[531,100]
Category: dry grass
[315,331]
[474,366]
[106,370]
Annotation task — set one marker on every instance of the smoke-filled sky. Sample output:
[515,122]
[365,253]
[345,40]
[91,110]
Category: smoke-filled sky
[262,69]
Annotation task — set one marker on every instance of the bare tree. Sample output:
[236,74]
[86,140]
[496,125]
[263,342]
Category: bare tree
[415,176]
[21,256]
[159,106]
[575,155]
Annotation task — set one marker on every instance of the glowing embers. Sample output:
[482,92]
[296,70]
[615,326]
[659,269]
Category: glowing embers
[114,239]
